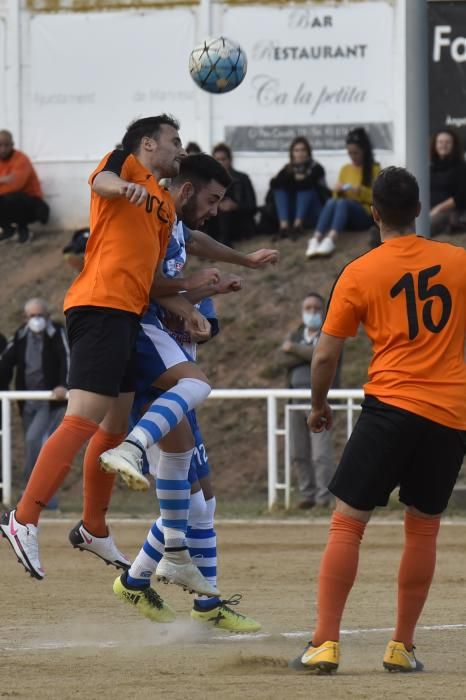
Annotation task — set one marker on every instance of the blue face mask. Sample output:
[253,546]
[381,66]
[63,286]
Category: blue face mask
[312,321]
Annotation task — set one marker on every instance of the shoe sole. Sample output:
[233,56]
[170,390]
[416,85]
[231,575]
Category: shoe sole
[19,555]
[117,565]
[394,668]
[320,668]
[186,588]
[132,478]
[212,623]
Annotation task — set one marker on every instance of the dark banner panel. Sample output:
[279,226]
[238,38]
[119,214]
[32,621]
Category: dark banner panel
[447,66]
[324,137]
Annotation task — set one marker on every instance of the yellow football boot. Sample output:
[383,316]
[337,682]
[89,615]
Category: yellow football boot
[398,658]
[145,600]
[322,659]
[224,618]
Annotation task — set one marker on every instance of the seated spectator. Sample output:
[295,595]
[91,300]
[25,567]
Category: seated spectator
[447,183]
[311,453]
[352,197]
[193,149]
[38,355]
[235,219]
[299,190]
[74,251]
[21,200]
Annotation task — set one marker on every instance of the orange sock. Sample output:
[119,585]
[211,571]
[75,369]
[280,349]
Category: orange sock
[52,466]
[336,576]
[416,572]
[97,485]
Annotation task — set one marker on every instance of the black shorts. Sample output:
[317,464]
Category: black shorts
[391,447]
[102,349]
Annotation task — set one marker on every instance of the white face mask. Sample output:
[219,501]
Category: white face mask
[312,321]
[37,324]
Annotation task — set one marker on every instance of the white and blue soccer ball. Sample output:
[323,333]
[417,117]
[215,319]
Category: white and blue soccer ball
[218,65]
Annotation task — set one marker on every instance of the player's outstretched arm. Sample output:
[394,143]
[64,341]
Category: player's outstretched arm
[323,368]
[111,186]
[204,246]
[226,284]
[166,286]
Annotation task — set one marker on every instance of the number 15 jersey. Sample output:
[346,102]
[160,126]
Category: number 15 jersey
[410,296]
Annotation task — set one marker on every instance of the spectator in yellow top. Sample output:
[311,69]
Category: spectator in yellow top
[352,197]
[21,200]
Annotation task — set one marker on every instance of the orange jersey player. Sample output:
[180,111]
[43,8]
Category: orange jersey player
[410,296]
[131,221]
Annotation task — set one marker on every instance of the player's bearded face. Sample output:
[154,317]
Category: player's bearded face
[202,205]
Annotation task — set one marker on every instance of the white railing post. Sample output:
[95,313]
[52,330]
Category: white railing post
[272,449]
[6,451]
[287,458]
[349,417]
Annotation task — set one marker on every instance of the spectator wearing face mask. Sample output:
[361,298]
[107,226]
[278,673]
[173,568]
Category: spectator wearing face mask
[311,453]
[37,357]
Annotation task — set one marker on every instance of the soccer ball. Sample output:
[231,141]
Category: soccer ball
[218,65]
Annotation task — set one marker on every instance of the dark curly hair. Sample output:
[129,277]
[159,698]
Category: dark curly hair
[457,153]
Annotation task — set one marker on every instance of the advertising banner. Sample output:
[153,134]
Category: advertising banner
[447,69]
[94,73]
[315,69]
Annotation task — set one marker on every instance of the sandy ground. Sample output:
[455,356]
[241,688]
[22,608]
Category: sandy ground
[68,637]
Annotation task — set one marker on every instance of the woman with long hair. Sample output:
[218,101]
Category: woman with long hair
[299,190]
[447,182]
[352,196]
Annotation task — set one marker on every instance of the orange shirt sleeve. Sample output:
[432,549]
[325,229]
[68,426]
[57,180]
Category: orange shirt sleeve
[21,169]
[346,307]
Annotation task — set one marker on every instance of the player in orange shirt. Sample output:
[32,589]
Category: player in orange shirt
[131,221]
[410,296]
[21,200]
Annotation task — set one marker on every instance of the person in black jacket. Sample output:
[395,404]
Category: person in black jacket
[311,453]
[447,183]
[235,219]
[299,190]
[38,357]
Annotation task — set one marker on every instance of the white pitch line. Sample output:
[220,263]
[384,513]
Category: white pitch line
[257,636]
[291,635]
[246,521]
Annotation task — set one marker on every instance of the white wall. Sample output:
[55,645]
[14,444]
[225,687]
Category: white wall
[73,81]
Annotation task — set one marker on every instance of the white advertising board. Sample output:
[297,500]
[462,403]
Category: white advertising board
[93,73]
[322,67]
[314,69]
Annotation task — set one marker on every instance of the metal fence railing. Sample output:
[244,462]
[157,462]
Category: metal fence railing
[279,476]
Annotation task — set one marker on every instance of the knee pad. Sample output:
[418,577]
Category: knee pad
[197,507]
[153,458]
[205,520]
[194,391]
[210,507]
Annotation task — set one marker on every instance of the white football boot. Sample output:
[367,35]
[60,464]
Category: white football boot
[23,540]
[126,460]
[103,547]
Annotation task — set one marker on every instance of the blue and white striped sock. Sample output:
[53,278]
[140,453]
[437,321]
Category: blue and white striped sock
[151,552]
[168,410]
[202,542]
[174,492]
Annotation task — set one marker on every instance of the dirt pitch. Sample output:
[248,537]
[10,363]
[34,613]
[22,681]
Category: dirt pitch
[68,637]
